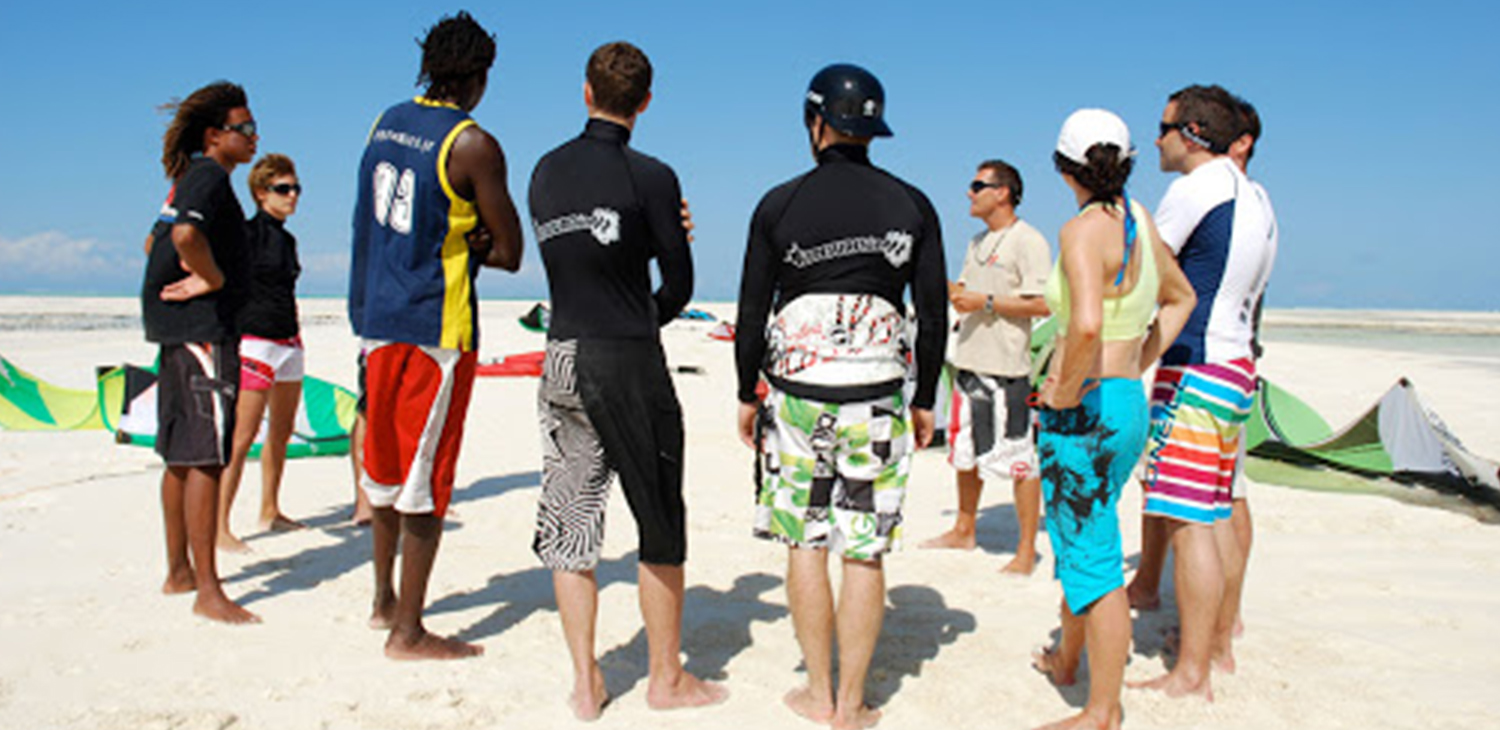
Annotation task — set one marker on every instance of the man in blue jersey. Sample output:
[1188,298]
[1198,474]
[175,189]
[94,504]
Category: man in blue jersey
[822,315]
[432,208]
[1224,240]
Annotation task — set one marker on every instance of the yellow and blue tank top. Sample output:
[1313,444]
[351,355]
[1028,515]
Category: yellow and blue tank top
[1126,317]
[412,275]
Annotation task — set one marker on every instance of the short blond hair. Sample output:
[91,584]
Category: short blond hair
[268,168]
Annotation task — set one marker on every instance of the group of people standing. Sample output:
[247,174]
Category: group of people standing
[823,349]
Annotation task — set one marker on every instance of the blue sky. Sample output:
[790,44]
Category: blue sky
[1378,150]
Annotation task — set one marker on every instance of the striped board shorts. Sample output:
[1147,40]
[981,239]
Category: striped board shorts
[417,398]
[1198,414]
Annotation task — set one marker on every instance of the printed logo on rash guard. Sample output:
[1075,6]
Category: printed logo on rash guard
[895,246]
[603,223]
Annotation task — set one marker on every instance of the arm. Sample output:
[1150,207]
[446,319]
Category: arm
[1176,298]
[666,215]
[477,172]
[1084,267]
[929,292]
[758,287]
[197,259]
[966,302]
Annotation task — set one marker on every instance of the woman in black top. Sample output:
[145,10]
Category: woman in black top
[270,346]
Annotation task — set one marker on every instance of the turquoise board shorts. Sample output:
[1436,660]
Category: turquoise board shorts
[1087,453]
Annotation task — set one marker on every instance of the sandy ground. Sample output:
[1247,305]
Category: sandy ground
[1362,611]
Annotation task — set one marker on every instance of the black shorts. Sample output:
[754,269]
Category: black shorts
[197,390]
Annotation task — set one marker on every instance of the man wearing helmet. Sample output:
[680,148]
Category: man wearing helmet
[822,317]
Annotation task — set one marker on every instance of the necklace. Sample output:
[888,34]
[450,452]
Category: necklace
[989,258]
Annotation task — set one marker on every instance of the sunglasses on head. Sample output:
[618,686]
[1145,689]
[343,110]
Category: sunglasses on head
[978,186]
[286,188]
[245,128]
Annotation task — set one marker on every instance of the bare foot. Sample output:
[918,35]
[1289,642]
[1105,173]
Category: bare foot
[588,702]
[857,719]
[1223,660]
[950,540]
[1174,684]
[280,523]
[1045,660]
[180,582]
[220,608]
[1020,565]
[685,691]
[1141,600]
[1086,721]
[228,543]
[383,615]
[1239,627]
[428,646]
[362,516]
[803,702]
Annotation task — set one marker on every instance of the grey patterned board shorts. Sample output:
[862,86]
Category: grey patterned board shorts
[605,412]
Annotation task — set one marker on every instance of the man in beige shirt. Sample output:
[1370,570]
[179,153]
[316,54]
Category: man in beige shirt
[997,295]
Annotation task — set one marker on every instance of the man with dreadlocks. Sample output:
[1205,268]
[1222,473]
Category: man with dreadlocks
[194,284]
[432,208]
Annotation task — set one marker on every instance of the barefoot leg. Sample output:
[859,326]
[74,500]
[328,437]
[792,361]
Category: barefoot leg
[283,409]
[661,597]
[1145,588]
[174,520]
[961,536]
[201,503]
[861,611]
[1028,494]
[385,539]
[810,598]
[363,513]
[247,415]
[1233,565]
[420,536]
[1061,664]
[1200,594]
[578,607]
[1244,533]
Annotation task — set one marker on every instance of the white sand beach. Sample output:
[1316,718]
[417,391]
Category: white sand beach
[1361,611]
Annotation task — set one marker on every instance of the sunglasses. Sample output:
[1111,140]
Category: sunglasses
[245,128]
[286,188]
[978,186]
[1166,128]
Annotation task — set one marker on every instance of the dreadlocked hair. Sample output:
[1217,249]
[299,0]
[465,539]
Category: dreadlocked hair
[1105,174]
[455,50]
[204,109]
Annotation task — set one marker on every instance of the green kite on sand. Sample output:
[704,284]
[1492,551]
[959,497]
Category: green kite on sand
[124,402]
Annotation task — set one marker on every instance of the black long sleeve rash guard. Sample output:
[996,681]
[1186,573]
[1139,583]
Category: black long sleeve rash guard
[601,212]
[829,258]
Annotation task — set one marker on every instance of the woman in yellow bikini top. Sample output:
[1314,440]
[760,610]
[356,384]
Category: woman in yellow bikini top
[1113,274]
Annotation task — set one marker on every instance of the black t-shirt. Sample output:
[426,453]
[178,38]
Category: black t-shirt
[601,212]
[270,310]
[204,199]
[829,258]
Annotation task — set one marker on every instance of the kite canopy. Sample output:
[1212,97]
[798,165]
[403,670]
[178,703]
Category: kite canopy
[30,404]
[538,319]
[124,401]
[127,398]
[1398,437]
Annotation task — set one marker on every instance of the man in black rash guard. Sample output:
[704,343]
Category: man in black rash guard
[822,315]
[602,212]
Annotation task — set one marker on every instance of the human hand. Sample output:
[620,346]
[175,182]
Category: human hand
[480,241]
[687,220]
[186,288]
[923,424]
[747,416]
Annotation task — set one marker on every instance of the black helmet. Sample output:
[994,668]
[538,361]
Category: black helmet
[850,99]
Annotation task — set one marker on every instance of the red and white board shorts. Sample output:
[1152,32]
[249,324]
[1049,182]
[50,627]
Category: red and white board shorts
[416,400]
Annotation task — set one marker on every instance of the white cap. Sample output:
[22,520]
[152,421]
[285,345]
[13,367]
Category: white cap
[1088,127]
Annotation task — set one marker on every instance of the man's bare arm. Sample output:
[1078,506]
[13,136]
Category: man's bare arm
[197,259]
[477,172]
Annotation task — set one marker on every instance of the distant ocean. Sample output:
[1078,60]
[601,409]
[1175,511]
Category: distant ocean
[1461,334]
